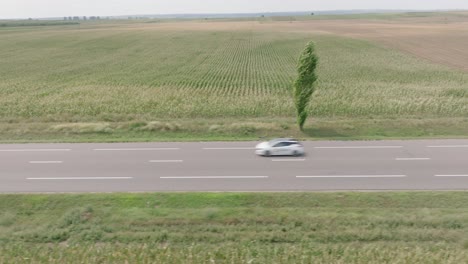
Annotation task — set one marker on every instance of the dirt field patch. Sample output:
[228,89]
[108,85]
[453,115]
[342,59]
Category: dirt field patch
[439,42]
[441,38]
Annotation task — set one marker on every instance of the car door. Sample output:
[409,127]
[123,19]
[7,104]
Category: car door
[280,148]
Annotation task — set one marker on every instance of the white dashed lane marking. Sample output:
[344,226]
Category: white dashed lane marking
[46,162]
[353,176]
[361,147]
[228,148]
[34,150]
[135,149]
[215,177]
[82,178]
[166,161]
[412,159]
[453,175]
[449,146]
[288,160]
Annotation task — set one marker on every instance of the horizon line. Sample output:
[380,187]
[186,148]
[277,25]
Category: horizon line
[251,13]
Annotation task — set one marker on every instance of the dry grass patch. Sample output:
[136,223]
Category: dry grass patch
[249,128]
[161,126]
[79,128]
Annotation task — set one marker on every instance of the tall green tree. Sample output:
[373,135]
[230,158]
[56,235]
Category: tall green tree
[304,85]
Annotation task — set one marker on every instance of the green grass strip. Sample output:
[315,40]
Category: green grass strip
[356,227]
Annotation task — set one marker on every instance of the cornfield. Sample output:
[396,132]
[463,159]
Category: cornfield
[141,71]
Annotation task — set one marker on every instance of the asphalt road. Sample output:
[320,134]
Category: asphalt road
[223,166]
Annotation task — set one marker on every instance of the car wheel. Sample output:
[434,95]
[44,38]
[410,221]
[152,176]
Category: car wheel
[295,153]
[267,153]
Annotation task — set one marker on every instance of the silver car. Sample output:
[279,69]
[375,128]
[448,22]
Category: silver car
[280,147]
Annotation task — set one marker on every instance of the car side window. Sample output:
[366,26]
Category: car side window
[281,144]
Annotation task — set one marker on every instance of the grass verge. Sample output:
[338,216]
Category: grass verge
[232,130]
[402,227]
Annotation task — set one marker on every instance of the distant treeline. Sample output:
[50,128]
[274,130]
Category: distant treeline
[35,23]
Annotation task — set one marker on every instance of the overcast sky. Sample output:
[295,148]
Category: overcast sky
[60,8]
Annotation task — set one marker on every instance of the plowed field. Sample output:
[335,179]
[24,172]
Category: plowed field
[439,37]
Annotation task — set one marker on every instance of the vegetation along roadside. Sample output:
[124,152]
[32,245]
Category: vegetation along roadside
[390,227]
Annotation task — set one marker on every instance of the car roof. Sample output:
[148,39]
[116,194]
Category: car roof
[282,139]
